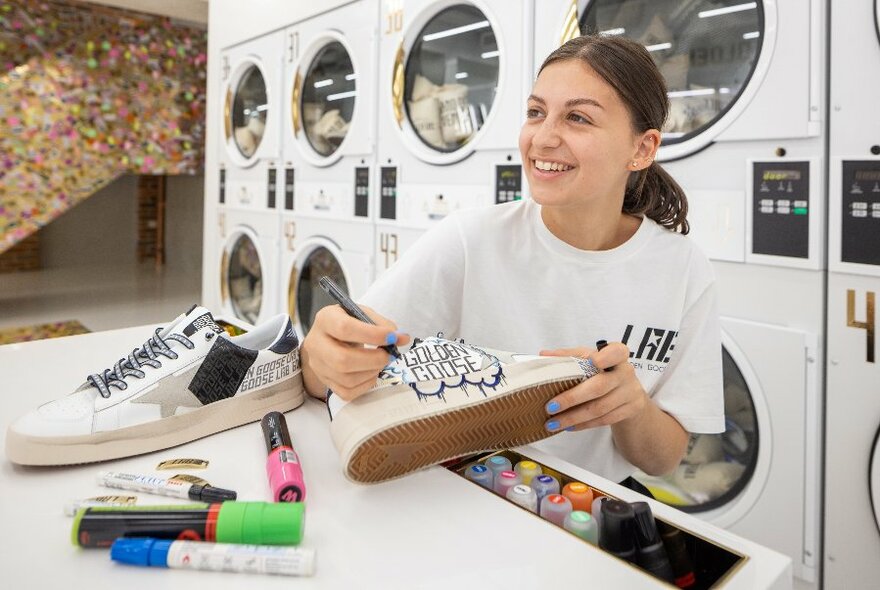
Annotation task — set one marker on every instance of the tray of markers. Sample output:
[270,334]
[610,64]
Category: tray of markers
[627,530]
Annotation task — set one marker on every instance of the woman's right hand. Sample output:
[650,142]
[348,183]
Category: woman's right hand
[334,355]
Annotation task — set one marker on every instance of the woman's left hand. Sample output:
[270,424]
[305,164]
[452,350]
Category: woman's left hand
[612,396]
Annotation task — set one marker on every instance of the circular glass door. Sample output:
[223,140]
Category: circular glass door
[717,467]
[245,279]
[706,50]
[451,77]
[308,297]
[874,479]
[328,97]
[250,106]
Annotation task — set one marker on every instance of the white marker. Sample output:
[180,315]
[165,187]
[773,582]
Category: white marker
[164,487]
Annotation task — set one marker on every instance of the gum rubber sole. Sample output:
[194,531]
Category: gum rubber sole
[509,420]
[156,435]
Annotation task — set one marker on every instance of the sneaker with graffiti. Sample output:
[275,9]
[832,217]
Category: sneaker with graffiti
[443,399]
[188,380]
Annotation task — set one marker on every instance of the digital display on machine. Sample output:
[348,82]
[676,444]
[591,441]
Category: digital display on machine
[781,209]
[860,212]
[388,195]
[271,186]
[781,175]
[288,189]
[222,185]
[361,191]
[867,175]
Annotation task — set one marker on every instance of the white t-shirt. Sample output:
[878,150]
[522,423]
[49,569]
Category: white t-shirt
[497,277]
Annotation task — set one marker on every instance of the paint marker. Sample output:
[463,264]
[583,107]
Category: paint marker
[600,344]
[527,470]
[580,494]
[651,554]
[248,523]
[480,474]
[524,496]
[498,463]
[616,534]
[282,465]
[71,507]
[679,558]
[506,480]
[174,488]
[596,511]
[555,507]
[352,309]
[544,485]
[583,525]
[217,557]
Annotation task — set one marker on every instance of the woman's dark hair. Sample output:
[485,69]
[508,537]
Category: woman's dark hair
[628,68]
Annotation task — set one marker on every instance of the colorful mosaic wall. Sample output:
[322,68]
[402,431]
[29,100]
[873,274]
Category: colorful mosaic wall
[88,93]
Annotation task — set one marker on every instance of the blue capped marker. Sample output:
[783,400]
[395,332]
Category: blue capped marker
[480,474]
[218,557]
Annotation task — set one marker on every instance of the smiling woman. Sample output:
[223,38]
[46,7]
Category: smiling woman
[598,253]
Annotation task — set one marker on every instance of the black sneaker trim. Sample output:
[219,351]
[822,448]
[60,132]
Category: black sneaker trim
[287,342]
[222,371]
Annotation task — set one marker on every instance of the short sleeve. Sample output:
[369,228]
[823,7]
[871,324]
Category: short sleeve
[691,389]
[422,291]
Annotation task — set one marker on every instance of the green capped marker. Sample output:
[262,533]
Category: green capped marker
[246,523]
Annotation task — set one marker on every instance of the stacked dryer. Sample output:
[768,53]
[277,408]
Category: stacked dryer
[328,150]
[745,139]
[246,262]
[453,78]
[852,470]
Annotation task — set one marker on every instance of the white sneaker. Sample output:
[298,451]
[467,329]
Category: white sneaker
[189,380]
[444,399]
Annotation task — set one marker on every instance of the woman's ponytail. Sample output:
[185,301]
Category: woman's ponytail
[655,194]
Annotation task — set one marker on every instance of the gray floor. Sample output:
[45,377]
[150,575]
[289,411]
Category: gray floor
[100,298]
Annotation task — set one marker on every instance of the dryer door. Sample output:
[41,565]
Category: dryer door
[246,109]
[874,479]
[328,98]
[450,81]
[718,467]
[707,51]
[242,276]
[305,296]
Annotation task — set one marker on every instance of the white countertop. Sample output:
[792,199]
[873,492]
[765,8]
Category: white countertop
[431,529]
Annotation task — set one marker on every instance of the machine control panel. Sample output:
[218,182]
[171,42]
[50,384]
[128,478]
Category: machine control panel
[388,186]
[508,183]
[781,209]
[860,215]
[288,189]
[271,187]
[222,185]
[361,191]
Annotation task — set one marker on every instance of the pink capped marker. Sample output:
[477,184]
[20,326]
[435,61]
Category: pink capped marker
[506,480]
[282,465]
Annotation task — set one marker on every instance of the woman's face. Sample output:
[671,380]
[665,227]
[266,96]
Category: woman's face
[577,143]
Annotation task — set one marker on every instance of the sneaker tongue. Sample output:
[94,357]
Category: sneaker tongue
[195,320]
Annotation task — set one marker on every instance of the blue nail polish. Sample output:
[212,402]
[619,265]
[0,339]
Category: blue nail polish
[569,429]
[552,425]
[391,338]
[552,407]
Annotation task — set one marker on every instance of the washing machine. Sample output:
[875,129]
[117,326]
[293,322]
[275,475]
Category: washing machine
[250,146]
[453,79]
[313,247]
[745,139]
[329,130]
[852,467]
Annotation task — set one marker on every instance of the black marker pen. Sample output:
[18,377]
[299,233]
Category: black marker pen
[352,309]
[600,344]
